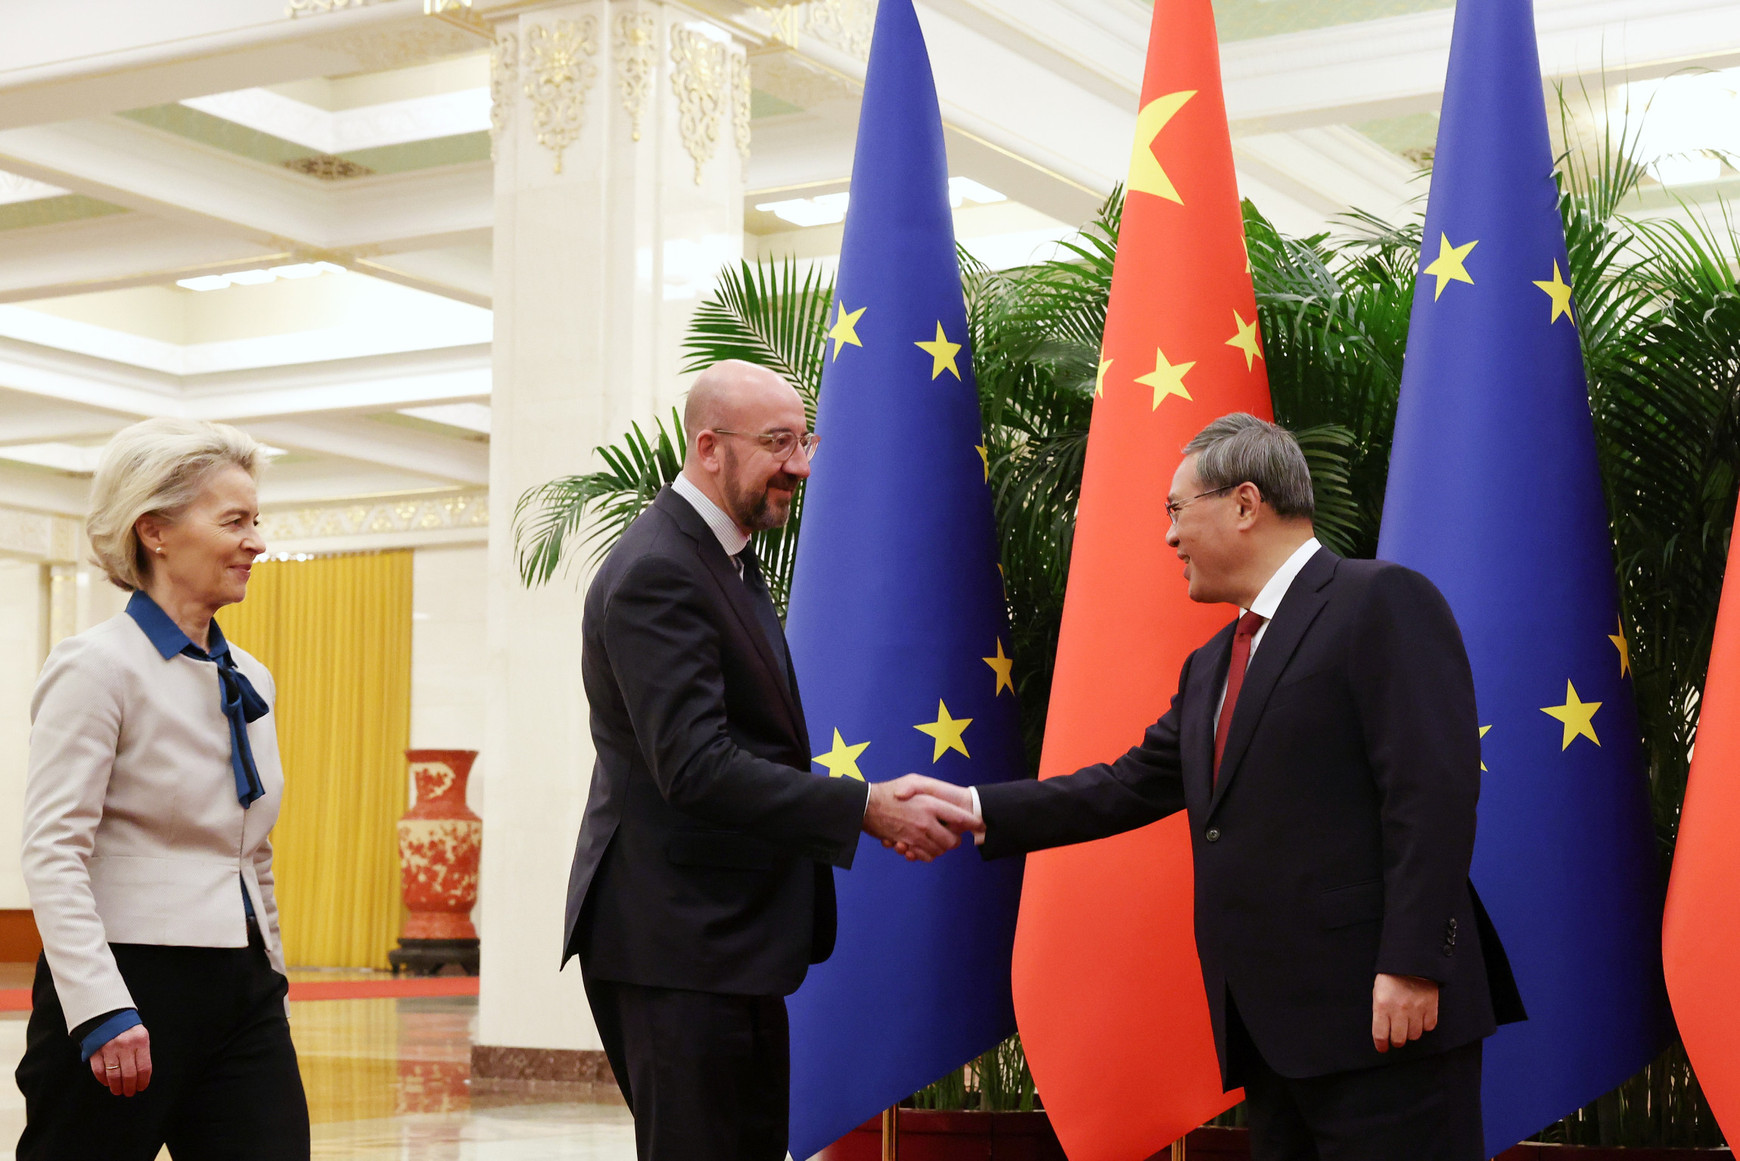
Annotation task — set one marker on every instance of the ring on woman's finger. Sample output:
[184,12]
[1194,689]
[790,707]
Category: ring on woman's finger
[111,1068]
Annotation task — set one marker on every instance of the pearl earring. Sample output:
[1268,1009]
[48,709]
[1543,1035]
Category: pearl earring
[159,552]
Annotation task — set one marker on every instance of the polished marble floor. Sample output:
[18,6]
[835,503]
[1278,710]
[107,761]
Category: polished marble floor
[390,1080]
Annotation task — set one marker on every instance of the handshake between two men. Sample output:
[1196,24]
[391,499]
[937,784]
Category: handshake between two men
[920,817]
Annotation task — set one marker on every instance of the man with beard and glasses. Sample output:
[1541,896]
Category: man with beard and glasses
[702,885]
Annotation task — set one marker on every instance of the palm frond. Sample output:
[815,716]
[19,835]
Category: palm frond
[554,521]
[769,314]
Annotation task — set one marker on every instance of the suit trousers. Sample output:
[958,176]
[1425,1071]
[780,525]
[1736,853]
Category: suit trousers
[224,1081]
[707,1075]
[1423,1109]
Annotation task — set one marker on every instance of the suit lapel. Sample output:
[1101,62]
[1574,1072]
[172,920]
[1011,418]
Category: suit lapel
[1299,608]
[735,592]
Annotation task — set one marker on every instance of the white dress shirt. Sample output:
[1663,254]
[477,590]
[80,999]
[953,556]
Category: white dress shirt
[1269,601]
[731,537]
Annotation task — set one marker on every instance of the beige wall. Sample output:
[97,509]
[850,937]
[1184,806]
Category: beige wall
[23,635]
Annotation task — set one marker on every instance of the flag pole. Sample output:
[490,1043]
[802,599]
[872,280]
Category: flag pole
[891,1133]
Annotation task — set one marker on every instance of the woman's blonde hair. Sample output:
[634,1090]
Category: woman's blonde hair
[158,466]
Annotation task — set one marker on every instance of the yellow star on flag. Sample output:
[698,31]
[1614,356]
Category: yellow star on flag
[1577,715]
[1447,267]
[1560,292]
[1146,176]
[1166,378]
[845,328]
[1004,667]
[984,454]
[947,731]
[942,354]
[1246,339]
[1100,377]
[842,760]
[1483,730]
[1623,644]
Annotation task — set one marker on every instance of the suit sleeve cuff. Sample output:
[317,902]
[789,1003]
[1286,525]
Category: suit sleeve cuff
[110,1028]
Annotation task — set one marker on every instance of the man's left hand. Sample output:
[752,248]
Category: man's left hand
[1403,1008]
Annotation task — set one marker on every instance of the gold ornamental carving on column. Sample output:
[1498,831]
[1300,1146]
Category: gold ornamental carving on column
[504,77]
[699,81]
[554,61]
[845,24]
[634,44]
[742,96]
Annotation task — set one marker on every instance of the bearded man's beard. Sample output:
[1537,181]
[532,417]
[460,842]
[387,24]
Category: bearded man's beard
[755,509]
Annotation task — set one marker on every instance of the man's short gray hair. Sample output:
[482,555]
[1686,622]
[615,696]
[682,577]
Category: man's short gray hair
[1239,447]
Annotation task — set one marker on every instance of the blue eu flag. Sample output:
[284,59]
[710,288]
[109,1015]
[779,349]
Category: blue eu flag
[898,627]
[1495,494]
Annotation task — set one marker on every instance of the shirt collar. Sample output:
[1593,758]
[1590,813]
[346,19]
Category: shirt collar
[731,538]
[1269,600]
[166,636]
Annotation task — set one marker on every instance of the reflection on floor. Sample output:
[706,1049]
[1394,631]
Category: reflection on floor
[391,1079]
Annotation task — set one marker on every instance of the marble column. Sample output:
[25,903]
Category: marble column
[621,131]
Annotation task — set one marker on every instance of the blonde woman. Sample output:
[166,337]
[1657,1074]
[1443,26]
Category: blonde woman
[159,1006]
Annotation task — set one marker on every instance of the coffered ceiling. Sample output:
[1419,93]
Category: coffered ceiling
[284,221]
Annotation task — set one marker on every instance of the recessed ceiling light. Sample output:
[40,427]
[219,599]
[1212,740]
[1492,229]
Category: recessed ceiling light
[1683,126]
[258,276]
[830,209]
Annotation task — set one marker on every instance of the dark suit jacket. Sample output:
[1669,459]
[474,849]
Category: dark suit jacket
[1335,844]
[704,860]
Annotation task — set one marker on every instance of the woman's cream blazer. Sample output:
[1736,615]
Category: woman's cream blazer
[132,830]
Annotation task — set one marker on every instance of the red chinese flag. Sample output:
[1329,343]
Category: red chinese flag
[1700,940]
[1107,987]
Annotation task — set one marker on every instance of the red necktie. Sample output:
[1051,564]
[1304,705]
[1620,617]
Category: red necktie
[1235,677]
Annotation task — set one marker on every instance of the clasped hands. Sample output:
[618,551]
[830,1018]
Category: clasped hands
[920,817]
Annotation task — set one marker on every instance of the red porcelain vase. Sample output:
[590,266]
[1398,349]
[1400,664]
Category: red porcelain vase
[440,842]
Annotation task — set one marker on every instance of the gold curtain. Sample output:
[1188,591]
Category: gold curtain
[336,633]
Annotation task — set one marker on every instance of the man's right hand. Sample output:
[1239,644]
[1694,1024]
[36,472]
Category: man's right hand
[920,825]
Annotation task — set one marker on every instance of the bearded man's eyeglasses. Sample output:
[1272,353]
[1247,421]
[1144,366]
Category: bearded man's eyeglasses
[779,444]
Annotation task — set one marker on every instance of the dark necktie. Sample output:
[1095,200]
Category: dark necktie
[1235,679]
[764,610]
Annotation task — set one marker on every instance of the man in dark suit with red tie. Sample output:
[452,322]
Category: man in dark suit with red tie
[1325,745]
[703,884]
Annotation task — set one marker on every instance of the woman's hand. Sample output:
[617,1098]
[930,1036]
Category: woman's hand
[123,1065]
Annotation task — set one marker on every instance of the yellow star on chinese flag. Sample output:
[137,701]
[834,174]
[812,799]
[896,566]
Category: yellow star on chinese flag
[1621,643]
[1100,377]
[1577,715]
[1483,730]
[842,760]
[947,731]
[1004,667]
[1447,267]
[1146,176]
[984,454]
[1166,378]
[942,354]
[1246,339]
[845,328]
[1560,292]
